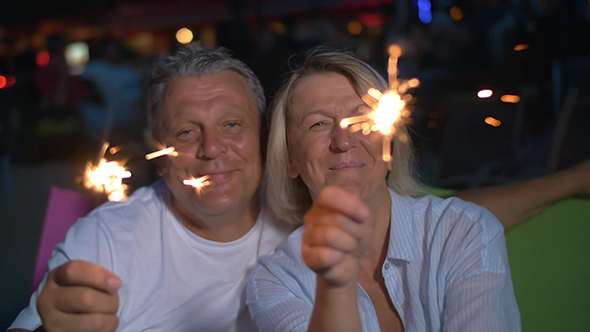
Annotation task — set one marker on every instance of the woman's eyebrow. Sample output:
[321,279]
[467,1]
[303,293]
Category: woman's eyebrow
[314,112]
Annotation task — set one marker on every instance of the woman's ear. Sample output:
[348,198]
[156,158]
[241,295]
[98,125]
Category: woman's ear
[293,171]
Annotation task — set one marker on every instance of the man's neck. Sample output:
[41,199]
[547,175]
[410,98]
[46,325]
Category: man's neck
[225,227]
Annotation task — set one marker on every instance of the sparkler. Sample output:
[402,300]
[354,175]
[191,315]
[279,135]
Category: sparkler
[166,151]
[384,108]
[198,183]
[107,177]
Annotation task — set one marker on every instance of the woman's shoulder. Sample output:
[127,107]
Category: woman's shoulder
[452,215]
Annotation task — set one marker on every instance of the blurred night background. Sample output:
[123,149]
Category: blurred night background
[63,64]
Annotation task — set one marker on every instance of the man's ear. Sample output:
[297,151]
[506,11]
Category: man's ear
[162,165]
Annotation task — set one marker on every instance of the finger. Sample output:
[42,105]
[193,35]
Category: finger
[82,323]
[100,322]
[321,258]
[82,273]
[344,202]
[331,237]
[320,216]
[82,300]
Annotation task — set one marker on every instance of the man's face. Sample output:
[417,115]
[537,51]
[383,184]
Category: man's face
[214,124]
[323,153]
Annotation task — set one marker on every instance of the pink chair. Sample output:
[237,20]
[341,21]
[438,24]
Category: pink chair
[64,207]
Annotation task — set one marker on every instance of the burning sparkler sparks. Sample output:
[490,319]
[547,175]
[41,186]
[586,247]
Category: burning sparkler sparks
[198,183]
[384,109]
[115,149]
[107,177]
[167,151]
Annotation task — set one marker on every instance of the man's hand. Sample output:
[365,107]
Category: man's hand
[337,233]
[79,296]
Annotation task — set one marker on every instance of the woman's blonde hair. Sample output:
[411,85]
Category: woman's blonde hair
[290,198]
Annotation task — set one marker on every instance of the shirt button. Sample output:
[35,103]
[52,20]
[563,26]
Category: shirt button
[405,305]
[386,266]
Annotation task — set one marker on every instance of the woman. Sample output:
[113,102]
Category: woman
[369,257]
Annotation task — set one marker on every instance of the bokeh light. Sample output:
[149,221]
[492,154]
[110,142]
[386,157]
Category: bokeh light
[456,13]
[355,28]
[43,58]
[184,36]
[425,11]
[277,27]
[77,54]
[2,82]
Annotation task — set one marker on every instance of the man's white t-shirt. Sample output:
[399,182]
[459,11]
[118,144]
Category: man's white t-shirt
[173,280]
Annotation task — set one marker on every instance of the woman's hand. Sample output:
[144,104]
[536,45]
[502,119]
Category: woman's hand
[336,235]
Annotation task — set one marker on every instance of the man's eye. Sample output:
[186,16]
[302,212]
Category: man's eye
[185,133]
[232,124]
[318,124]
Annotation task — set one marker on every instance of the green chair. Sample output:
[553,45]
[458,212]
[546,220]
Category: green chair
[550,262]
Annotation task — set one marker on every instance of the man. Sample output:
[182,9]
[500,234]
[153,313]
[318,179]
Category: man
[169,258]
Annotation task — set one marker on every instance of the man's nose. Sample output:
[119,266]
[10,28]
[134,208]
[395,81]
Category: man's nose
[212,145]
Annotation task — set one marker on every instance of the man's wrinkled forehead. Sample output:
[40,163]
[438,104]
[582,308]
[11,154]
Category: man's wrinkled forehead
[194,92]
[227,86]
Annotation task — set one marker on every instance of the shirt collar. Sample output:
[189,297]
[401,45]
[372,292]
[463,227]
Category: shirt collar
[403,231]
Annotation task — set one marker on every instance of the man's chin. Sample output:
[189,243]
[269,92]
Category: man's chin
[216,200]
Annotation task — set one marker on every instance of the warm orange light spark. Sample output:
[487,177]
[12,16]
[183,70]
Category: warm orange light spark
[521,47]
[486,93]
[107,177]
[493,122]
[167,151]
[198,184]
[115,149]
[385,109]
[511,99]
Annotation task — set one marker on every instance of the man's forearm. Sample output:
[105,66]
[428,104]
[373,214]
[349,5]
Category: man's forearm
[335,309]
[514,203]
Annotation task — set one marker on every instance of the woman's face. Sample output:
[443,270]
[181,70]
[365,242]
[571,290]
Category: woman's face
[323,153]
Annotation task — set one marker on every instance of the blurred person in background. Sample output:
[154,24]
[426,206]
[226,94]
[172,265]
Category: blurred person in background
[117,91]
[59,91]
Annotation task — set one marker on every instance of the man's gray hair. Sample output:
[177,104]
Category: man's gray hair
[196,60]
